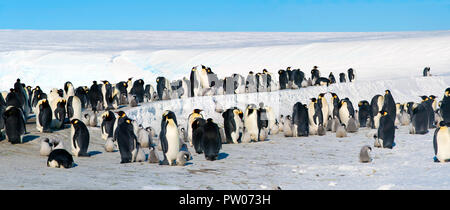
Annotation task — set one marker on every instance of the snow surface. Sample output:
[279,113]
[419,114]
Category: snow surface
[391,60]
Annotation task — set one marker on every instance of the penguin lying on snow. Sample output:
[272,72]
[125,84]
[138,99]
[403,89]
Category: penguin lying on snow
[60,158]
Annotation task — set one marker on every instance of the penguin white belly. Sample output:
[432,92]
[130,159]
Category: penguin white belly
[325,113]
[313,127]
[38,122]
[235,133]
[251,126]
[53,164]
[76,106]
[443,142]
[344,115]
[376,120]
[173,143]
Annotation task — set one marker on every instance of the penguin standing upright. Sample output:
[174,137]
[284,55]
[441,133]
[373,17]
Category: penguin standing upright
[342,78]
[332,78]
[364,154]
[315,116]
[79,138]
[251,131]
[43,116]
[107,126]
[300,120]
[59,113]
[169,138]
[351,75]
[232,120]
[315,74]
[14,124]
[445,107]
[95,95]
[68,90]
[376,104]
[323,104]
[211,141]
[283,79]
[73,108]
[197,134]
[420,119]
[426,72]
[346,111]
[363,113]
[389,105]
[441,143]
[107,92]
[386,131]
[138,90]
[191,118]
[334,108]
[127,141]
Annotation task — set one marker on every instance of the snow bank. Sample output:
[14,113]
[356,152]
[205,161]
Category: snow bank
[50,58]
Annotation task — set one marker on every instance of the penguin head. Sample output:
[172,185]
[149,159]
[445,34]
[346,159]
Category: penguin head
[170,115]
[314,100]
[105,82]
[288,117]
[197,111]
[447,92]
[75,122]
[432,97]
[315,67]
[265,71]
[424,98]
[121,114]
[321,95]
[251,72]
[334,95]
[387,92]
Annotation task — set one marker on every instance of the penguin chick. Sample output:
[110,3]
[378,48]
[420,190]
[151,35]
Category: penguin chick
[109,145]
[93,119]
[46,147]
[182,158]
[321,131]
[341,132]
[153,156]
[364,154]
[287,127]
[352,127]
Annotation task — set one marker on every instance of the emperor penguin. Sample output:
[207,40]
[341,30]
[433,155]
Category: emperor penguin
[95,96]
[232,121]
[364,113]
[315,116]
[169,138]
[283,79]
[73,108]
[110,145]
[315,74]
[323,104]
[79,138]
[334,108]
[58,107]
[300,120]
[107,126]
[419,119]
[426,72]
[46,147]
[351,75]
[211,141]
[195,89]
[161,84]
[342,78]
[129,84]
[341,131]
[445,107]
[43,116]
[441,143]
[376,104]
[127,142]
[197,134]
[346,111]
[14,124]
[332,78]
[191,118]
[138,90]
[203,77]
[389,105]
[122,87]
[386,131]
[144,137]
[364,154]
[250,83]
[82,93]
[107,92]
[287,128]
[251,131]
[60,158]
[431,102]
[68,90]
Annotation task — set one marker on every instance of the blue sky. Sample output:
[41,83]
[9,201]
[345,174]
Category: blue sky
[227,15]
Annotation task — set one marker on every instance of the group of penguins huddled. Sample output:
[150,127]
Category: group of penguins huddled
[69,106]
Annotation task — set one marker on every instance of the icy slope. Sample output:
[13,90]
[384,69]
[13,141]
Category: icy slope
[50,58]
[403,90]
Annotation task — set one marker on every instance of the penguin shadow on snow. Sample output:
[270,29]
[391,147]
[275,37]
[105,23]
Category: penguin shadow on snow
[222,155]
[93,153]
[29,138]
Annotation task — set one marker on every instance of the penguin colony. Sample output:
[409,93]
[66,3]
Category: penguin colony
[83,107]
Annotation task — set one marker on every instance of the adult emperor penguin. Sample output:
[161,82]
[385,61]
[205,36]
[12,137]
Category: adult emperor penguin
[191,118]
[315,74]
[68,90]
[60,158]
[445,107]
[73,108]
[346,111]
[161,84]
[342,78]
[419,119]
[107,126]
[389,105]
[441,143]
[127,141]
[232,121]
[323,104]
[364,113]
[332,78]
[300,120]
[376,104]
[107,92]
[211,141]
[251,131]
[351,75]
[169,138]
[283,79]
[386,131]
[58,107]
[203,77]
[14,124]
[43,116]
[138,90]
[197,134]
[250,83]
[82,94]
[95,95]
[334,106]
[315,116]
[426,72]
[195,82]
[79,138]
[428,101]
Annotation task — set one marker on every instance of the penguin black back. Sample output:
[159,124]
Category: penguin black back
[60,158]
[14,124]
[386,130]
[45,115]
[283,79]
[211,140]
[197,134]
[364,113]
[126,140]
[300,119]
[80,138]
